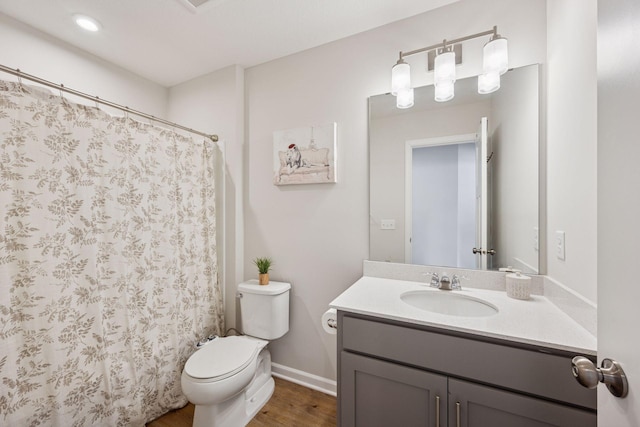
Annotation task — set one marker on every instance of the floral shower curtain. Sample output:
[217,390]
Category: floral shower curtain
[108,270]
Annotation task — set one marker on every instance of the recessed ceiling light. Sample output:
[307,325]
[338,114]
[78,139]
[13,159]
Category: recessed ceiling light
[87,23]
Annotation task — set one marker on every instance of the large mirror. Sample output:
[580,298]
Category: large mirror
[456,183]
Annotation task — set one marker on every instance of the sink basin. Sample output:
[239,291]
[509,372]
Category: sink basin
[447,302]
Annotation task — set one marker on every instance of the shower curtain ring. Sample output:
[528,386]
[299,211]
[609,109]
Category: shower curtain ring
[61,88]
[97,99]
[19,76]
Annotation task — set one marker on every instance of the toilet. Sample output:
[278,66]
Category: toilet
[229,379]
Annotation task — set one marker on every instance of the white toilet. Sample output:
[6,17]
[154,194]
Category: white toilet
[229,379]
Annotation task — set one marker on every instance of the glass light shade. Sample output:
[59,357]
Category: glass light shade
[488,83]
[400,77]
[404,99]
[495,56]
[444,68]
[444,92]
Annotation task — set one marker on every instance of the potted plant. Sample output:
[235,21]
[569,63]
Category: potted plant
[264,265]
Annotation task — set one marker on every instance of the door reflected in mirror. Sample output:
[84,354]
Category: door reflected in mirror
[456,184]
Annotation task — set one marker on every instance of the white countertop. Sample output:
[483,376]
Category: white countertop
[535,321]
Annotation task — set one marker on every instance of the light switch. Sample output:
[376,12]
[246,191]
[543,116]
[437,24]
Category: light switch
[387,224]
[560,254]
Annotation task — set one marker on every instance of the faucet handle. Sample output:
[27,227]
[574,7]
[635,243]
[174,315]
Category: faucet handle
[435,279]
[455,281]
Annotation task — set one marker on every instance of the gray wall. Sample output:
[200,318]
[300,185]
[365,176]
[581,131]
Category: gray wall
[318,234]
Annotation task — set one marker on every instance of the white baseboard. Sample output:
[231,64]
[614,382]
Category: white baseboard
[305,379]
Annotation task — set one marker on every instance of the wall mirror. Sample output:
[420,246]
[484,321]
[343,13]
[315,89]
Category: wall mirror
[456,184]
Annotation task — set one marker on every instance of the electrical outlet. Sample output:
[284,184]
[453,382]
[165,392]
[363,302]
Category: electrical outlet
[560,249]
[387,224]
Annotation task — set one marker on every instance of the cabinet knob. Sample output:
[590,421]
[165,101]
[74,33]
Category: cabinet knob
[610,373]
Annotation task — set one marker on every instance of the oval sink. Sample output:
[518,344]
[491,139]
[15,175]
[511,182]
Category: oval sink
[446,302]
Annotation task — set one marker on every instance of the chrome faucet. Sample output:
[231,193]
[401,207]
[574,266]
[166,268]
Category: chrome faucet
[445,283]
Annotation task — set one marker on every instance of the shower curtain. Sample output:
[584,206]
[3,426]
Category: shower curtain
[107,262]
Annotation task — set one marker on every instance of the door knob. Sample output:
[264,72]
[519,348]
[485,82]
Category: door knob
[610,373]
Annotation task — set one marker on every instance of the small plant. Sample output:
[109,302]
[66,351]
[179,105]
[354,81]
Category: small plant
[263,264]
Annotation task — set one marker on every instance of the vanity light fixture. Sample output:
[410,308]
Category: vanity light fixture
[494,63]
[400,77]
[488,82]
[87,23]
[444,73]
[404,98]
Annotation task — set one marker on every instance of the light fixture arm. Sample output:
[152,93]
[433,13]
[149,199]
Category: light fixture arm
[493,32]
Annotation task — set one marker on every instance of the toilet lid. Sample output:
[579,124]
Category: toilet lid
[222,357]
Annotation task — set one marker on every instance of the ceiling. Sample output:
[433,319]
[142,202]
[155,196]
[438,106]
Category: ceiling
[166,42]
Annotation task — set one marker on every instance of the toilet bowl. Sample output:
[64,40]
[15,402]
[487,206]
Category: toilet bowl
[229,379]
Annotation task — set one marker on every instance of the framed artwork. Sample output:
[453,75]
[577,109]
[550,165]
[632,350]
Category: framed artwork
[305,155]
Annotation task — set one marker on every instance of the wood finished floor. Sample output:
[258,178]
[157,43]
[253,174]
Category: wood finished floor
[291,405]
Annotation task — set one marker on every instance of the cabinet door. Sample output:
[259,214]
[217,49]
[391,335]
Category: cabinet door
[473,405]
[377,393]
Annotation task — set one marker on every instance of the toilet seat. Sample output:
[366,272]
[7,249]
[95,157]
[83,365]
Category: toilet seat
[223,358]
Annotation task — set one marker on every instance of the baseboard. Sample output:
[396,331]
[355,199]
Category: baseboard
[305,379]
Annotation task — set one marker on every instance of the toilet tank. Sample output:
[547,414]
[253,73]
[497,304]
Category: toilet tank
[264,309]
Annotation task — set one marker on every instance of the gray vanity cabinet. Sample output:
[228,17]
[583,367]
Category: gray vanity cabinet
[476,405]
[396,374]
[387,394]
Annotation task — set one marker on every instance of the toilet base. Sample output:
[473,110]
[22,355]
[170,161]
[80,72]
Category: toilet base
[240,409]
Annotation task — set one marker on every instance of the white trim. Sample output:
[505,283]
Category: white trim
[409,145]
[305,379]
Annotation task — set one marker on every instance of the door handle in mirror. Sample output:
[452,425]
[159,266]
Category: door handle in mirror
[610,373]
[483,252]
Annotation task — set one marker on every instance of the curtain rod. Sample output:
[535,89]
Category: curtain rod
[62,87]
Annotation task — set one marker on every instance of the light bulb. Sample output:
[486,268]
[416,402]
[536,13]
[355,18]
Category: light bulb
[404,98]
[495,56]
[488,83]
[400,77]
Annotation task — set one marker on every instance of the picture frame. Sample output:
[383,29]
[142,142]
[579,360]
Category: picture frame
[305,155]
